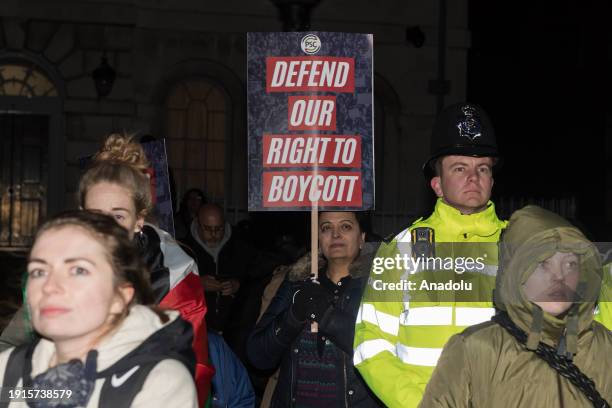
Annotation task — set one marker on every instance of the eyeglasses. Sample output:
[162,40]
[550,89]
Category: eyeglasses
[212,229]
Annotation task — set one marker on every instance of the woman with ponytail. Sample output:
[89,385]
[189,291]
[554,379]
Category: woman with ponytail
[117,183]
[542,348]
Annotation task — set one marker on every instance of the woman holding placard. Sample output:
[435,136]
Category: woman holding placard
[316,369]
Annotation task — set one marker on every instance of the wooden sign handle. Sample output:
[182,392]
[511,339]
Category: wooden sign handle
[314,252]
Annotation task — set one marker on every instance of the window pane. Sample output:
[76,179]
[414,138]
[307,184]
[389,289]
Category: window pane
[196,129]
[176,122]
[216,128]
[195,179]
[215,156]
[197,118]
[196,155]
[214,185]
[24,80]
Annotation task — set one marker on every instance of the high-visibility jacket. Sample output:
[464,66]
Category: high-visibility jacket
[400,334]
[603,312]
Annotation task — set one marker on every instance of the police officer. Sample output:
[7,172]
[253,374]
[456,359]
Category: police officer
[399,338]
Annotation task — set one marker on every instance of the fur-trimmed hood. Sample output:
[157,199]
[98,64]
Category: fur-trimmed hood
[360,268]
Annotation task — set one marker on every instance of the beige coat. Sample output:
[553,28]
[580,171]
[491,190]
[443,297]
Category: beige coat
[277,280]
[485,366]
[168,385]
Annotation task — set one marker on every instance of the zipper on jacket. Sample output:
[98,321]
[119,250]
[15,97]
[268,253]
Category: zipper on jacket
[345,379]
[291,396]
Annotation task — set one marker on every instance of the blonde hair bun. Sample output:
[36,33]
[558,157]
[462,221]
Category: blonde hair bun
[121,148]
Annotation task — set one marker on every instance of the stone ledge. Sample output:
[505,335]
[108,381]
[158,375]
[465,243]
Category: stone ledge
[76,105]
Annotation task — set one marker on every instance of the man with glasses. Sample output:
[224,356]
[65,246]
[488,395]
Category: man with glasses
[221,264]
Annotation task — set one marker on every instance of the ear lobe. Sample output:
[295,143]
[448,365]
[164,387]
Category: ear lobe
[125,294]
[436,186]
[140,221]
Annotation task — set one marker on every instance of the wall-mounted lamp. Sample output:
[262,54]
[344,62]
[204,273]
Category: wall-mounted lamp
[415,36]
[103,77]
[295,14]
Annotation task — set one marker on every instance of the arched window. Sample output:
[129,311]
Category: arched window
[196,114]
[24,80]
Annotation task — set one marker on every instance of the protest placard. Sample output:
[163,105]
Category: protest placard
[310,122]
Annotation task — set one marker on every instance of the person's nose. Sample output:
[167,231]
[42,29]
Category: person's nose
[336,232]
[53,284]
[472,174]
[556,273]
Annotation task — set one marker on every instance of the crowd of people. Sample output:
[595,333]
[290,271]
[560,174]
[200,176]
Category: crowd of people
[120,313]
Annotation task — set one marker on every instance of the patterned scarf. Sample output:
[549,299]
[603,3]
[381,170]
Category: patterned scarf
[75,376]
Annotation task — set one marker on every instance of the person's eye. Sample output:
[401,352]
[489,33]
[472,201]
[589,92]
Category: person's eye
[324,228]
[79,271]
[346,227]
[572,264]
[36,273]
[119,217]
[458,169]
[485,170]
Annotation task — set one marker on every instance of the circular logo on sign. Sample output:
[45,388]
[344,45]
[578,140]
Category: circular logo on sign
[311,44]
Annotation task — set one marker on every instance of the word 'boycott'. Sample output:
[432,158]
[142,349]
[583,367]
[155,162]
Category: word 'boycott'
[331,188]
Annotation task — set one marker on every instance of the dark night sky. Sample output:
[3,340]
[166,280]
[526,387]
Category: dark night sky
[539,69]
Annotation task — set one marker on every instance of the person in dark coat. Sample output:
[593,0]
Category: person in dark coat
[316,369]
[222,262]
[192,200]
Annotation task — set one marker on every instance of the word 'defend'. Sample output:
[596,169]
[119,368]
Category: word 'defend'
[317,74]
[302,188]
[310,150]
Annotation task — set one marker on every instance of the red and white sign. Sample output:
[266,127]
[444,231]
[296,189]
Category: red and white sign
[302,188]
[310,73]
[311,150]
[310,121]
[312,113]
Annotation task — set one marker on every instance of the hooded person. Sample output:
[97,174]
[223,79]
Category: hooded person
[543,347]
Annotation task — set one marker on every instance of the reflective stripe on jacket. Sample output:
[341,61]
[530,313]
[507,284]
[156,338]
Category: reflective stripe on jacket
[603,312]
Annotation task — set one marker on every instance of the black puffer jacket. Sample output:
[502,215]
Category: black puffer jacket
[277,337]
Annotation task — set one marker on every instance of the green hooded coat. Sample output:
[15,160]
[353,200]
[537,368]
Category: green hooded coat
[485,366]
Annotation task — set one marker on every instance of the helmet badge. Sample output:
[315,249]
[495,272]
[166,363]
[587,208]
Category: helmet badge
[469,126]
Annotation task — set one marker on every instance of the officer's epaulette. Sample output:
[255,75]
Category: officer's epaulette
[391,237]
[417,220]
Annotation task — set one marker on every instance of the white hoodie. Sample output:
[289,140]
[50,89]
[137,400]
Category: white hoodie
[169,384]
